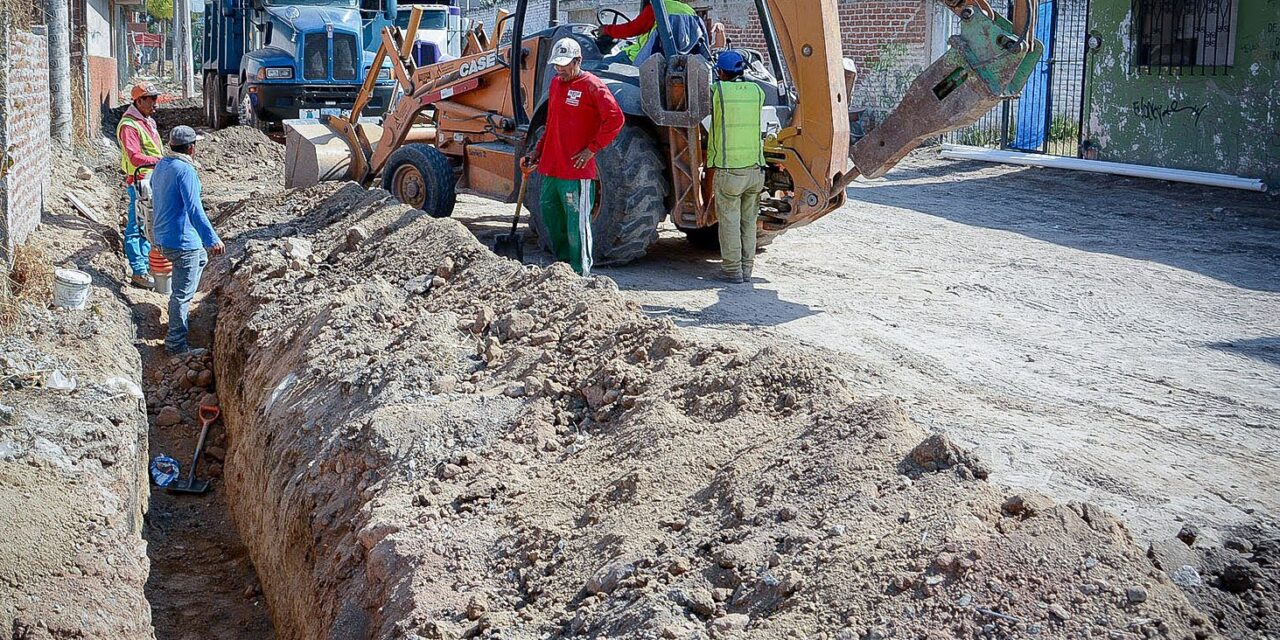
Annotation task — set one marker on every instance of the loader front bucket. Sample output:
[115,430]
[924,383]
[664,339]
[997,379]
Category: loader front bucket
[316,152]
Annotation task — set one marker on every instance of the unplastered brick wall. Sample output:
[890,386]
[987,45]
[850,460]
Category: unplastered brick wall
[24,135]
[887,39]
[537,16]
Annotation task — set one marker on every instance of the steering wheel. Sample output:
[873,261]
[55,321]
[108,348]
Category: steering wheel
[618,16]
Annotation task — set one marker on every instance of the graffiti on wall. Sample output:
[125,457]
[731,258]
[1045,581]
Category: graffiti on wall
[1166,112]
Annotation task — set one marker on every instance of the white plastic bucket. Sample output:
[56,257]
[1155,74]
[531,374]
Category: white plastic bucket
[70,288]
[164,283]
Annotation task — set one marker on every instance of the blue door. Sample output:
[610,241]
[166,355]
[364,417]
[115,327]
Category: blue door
[1031,129]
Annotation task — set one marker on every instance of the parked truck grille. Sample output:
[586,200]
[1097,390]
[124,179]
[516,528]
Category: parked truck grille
[316,54]
[345,57]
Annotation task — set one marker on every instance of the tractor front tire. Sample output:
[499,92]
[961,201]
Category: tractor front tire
[420,176]
[632,199]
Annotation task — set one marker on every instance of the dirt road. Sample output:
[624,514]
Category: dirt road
[1116,338]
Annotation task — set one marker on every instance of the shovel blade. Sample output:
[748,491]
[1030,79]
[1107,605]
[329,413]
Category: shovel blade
[509,245]
[195,488]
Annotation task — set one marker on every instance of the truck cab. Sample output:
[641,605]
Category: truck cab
[440,32]
[270,60]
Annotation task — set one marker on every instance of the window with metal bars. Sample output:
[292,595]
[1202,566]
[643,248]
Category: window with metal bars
[1184,35]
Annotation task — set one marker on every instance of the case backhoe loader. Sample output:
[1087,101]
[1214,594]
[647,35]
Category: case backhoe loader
[462,125]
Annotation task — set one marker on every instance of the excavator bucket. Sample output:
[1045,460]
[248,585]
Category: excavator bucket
[316,152]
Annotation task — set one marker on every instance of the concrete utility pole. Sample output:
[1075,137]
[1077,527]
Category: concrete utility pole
[182,47]
[59,24]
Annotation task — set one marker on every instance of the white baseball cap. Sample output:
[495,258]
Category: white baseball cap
[565,51]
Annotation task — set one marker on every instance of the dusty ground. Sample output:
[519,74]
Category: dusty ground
[1095,337]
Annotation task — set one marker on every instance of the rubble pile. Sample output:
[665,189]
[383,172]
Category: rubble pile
[428,441]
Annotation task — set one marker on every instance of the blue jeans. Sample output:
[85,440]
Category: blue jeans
[187,266]
[136,246]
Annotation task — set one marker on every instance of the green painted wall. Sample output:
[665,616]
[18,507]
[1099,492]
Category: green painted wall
[1229,123]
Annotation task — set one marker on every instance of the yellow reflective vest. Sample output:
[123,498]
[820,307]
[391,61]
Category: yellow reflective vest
[735,141]
[150,146]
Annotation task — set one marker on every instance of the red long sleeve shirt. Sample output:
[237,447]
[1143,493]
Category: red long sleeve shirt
[582,114]
[641,24]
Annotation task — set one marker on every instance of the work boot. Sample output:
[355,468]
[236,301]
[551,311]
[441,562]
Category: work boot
[143,281]
[731,278]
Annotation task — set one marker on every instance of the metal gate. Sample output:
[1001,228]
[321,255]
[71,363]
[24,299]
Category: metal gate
[1047,116]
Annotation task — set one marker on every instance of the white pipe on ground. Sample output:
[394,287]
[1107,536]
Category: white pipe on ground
[964,152]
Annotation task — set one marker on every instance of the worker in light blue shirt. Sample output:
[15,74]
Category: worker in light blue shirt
[181,229]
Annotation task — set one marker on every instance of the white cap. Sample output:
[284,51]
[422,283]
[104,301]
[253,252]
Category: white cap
[565,51]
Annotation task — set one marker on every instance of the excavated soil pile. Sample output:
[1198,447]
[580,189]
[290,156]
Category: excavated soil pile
[427,441]
[237,163]
[73,442]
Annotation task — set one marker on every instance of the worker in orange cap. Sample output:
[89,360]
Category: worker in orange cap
[140,146]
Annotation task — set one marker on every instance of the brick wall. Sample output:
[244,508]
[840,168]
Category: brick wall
[887,39]
[24,135]
[536,18]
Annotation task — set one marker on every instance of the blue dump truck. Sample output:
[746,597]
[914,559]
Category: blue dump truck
[266,61]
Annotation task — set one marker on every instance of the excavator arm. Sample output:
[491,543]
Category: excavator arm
[990,59]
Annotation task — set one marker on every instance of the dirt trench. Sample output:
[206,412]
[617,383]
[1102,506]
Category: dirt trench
[428,441]
[88,549]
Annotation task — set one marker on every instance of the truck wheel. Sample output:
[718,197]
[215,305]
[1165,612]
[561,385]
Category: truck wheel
[632,199]
[216,101]
[247,116]
[206,94]
[421,177]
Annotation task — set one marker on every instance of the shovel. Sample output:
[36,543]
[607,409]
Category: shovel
[511,245]
[207,415]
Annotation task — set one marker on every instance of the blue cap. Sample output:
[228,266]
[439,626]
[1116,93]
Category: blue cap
[731,61]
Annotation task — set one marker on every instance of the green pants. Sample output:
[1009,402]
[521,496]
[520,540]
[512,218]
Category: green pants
[566,210]
[737,207]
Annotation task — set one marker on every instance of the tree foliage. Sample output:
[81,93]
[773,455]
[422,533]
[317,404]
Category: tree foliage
[160,9]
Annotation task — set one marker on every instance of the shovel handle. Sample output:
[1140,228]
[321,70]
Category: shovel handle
[515,219]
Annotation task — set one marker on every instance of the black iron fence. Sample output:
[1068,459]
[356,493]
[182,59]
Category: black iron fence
[1046,117]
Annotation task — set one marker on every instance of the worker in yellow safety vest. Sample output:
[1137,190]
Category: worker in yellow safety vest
[735,150]
[139,147]
[644,25]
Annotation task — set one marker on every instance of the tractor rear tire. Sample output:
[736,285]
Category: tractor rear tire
[420,176]
[631,203]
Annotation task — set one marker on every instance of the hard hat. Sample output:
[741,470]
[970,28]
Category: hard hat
[566,50]
[731,61]
[142,90]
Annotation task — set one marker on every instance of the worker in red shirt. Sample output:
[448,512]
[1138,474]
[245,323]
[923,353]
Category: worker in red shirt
[582,118]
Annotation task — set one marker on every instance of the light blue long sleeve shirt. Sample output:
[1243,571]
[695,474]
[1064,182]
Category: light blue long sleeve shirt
[179,219]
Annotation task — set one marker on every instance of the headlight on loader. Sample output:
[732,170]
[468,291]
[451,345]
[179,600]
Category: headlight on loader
[276,73]
[384,73]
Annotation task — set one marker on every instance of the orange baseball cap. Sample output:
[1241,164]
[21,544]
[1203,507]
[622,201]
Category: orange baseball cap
[142,90]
